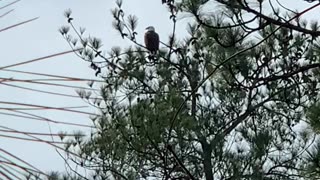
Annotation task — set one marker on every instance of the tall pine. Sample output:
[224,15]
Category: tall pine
[236,98]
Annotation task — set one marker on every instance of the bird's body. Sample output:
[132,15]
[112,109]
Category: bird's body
[151,40]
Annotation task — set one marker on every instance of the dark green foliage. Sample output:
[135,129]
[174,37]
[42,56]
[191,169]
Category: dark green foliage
[215,105]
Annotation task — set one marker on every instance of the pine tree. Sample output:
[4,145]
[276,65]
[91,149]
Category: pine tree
[234,99]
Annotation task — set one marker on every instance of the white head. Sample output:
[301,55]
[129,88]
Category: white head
[150,28]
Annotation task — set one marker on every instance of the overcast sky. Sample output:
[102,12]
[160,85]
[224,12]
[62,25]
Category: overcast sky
[41,38]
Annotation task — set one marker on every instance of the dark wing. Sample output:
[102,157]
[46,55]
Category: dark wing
[157,41]
[151,40]
[146,40]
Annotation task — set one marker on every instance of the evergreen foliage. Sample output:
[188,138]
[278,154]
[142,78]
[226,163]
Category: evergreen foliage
[237,98]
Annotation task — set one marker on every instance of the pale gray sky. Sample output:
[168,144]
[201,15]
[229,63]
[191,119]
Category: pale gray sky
[41,38]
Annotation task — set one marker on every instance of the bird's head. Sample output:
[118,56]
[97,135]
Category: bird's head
[150,28]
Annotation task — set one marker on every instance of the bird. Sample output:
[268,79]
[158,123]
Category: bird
[151,40]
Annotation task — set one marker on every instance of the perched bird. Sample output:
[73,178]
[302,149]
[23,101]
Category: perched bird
[151,40]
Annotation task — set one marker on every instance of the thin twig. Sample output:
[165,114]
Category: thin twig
[39,59]
[9,4]
[18,24]
[6,13]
